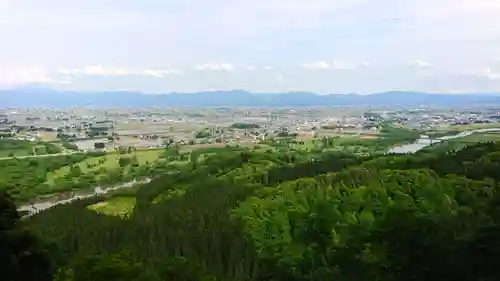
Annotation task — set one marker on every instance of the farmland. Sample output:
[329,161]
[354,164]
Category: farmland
[16,147]
[28,178]
[101,164]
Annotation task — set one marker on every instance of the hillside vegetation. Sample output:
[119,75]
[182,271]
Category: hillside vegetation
[15,147]
[286,214]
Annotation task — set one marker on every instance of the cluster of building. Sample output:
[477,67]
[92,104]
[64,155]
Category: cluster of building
[428,118]
[215,125]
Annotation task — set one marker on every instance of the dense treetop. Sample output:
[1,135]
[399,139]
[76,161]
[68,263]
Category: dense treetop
[287,214]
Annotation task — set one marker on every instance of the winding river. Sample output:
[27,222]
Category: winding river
[425,141]
[66,198]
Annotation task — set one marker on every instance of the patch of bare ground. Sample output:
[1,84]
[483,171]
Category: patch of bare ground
[368,137]
[48,136]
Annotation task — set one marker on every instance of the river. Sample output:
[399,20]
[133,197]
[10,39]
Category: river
[55,200]
[425,141]
[69,197]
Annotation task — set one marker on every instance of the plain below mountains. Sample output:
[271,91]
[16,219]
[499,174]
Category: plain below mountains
[39,97]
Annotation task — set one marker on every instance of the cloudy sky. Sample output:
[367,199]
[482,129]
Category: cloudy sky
[325,46]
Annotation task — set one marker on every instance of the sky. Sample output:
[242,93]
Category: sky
[322,46]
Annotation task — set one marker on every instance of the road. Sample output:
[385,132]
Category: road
[67,153]
[43,155]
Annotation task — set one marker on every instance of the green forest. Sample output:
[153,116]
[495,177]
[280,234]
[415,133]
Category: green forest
[275,214]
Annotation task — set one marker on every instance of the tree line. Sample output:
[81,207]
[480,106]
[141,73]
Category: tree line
[250,215]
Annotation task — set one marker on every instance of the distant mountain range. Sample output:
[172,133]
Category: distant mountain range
[40,97]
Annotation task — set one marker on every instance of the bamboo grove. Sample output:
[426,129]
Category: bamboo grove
[249,215]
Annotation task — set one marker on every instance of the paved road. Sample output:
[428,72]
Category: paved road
[43,155]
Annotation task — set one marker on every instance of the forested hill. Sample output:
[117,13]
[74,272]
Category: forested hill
[244,214]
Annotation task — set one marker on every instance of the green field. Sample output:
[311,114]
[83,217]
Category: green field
[15,152]
[15,147]
[117,206]
[104,163]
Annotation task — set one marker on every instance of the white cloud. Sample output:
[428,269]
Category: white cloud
[161,73]
[250,68]
[348,65]
[452,91]
[95,70]
[316,65]
[268,67]
[488,73]
[281,79]
[421,63]
[337,64]
[65,71]
[20,76]
[215,67]
[98,70]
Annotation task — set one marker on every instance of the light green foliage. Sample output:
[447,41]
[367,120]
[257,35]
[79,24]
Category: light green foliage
[239,214]
[15,147]
[118,206]
[27,178]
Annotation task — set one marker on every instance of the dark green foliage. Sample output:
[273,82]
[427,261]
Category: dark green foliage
[237,214]
[197,228]
[9,144]
[13,147]
[245,126]
[69,145]
[117,267]
[124,161]
[202,134]
[22,257]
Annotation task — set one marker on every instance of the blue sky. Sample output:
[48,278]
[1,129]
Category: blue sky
[324,46]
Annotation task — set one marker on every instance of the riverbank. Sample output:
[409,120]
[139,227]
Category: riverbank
[65,198]
[424,141]
[31,209]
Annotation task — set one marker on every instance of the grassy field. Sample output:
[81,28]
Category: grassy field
[189,148]
[15,147]
[341,142]
[107,162]
[116,206]
[15,152]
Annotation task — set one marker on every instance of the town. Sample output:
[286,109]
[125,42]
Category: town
[111,129]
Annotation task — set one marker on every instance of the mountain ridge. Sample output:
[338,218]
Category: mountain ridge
[44,97]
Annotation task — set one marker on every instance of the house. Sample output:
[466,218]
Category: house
[102,125]
[100,128]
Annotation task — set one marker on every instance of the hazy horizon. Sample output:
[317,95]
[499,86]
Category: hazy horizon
[37,87]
